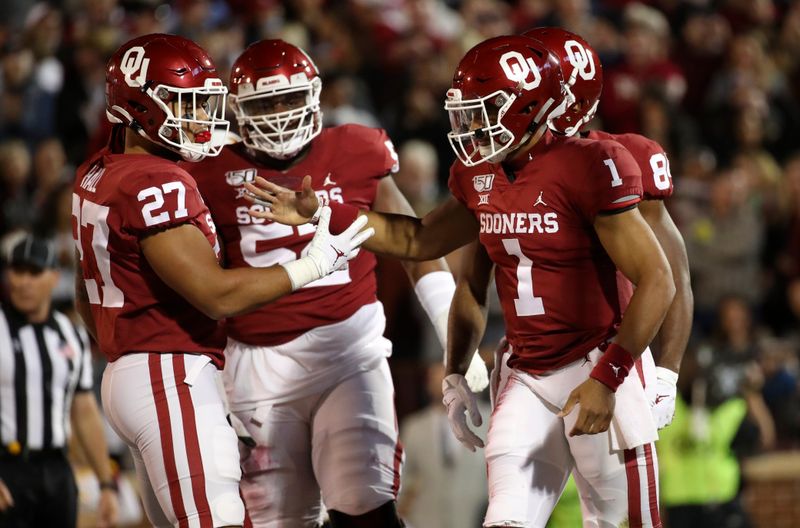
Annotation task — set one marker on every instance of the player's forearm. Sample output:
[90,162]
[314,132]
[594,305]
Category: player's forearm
[466,326]
[404,237]
[677,325]
[90,433]
[416,270]
[645,313]
[240,290]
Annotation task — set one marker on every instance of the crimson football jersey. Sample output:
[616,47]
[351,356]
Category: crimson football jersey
[652,160]
[119,199]
[345,163]
[556,283]
[656,182]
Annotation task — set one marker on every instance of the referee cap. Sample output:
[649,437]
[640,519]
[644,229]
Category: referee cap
[33,251]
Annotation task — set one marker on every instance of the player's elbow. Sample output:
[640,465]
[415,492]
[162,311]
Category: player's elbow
[214,307]
[661,278]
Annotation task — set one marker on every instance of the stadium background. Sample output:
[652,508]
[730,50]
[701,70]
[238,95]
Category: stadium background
[715,82]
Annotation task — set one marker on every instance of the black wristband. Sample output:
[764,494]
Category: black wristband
[109,485]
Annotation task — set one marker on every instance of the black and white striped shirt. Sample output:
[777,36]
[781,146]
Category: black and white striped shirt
[41,367]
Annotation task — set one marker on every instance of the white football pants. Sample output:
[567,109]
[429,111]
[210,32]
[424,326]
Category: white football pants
[530,457]
[340,445]
[168,409]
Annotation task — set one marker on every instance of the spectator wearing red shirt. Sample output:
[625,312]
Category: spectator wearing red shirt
[645,63]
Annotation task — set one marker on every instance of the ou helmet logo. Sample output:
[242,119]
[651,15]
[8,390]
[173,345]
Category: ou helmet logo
[518,68]
[581,59]
[134,61]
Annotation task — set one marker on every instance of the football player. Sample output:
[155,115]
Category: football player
[150,287]
[308,375]
[583,74]
[555,218]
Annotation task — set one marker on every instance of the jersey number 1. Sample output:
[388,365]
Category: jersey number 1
[526,303]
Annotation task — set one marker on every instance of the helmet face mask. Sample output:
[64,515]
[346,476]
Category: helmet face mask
[504,90]
[477,132]
[165,88]
[276,90]
[192,119]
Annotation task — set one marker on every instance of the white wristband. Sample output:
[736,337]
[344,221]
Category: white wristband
[665,374]
[302,271]
[435,293]
[321,202]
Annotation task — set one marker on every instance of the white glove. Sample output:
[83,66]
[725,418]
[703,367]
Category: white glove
[327,253]
[663,406]
[459,399]
[477,375]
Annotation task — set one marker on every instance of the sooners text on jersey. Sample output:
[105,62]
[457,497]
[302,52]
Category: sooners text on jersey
[345,163]
[556,283]
[119,199]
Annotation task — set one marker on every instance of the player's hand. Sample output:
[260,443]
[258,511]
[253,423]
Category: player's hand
[281,204]
[331,252]
[327,253]
[459,399]
[596,407]
[6,500]
[108,509]
[663,405]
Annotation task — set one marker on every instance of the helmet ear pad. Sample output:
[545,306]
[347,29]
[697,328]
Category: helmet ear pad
[519,72]
[267,82]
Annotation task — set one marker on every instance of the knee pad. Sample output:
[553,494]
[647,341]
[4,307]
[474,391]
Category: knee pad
[384,516]
[227,510]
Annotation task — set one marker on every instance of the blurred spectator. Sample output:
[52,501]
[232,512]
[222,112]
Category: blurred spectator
[778,360]
[417,176]
[50,169]
[729,360]
[15,169]
[720,416]
[444,484]
[750,86]
[55,223]
[705,36]
[724,244]
[338,102]
[645,63]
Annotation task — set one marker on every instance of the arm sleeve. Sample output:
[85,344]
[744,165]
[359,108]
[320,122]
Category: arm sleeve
[613,181]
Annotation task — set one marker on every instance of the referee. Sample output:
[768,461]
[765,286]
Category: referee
[45,385]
